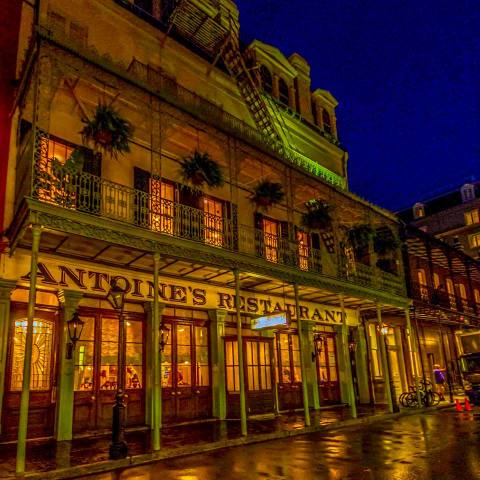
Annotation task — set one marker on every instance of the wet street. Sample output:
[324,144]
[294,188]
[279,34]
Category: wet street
[442,445]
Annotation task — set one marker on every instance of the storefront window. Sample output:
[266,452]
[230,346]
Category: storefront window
[258,365]
[41,354]
[289,358]
[374,351]
[231,366]
[184,355]
[167,362]
[84,356]
[201,357]
[134,354]
[109,353]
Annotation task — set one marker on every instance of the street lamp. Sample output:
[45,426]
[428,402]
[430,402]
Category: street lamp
[164,334]
[119,447]
[384,331]
[75,327]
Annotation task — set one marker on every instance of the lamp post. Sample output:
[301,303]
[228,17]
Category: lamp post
[75,328]
[384,331]
[119,448]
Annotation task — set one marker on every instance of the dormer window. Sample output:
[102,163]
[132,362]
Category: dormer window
[468,192]
[283,93]
[418,211]
[327,121]
[267,82]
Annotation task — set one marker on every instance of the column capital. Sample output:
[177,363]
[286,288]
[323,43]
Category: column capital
[217,315]
[6,287]
[148,307]
[69,299]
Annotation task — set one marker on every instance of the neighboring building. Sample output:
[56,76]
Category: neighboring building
[453,217]
[175,71]
[444,284]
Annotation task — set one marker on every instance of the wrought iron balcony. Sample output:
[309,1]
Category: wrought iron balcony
[83,192]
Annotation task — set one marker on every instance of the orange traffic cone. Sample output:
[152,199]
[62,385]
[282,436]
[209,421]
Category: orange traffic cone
[468,407]
[458,406]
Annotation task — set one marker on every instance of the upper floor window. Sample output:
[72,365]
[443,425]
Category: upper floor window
[476,294]
[267,81]
[283,92]
[327,121]
[303,249]
[418,210]
[468,192]
[271,230]
[475,240]
[472,217]
[213,220]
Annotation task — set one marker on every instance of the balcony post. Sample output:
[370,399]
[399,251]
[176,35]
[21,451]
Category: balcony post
[385,363]
[428,248]
[65,396]
[241,372]
[6,287]
[452,277]
[303,348]
[346,355]
[471,293]
[414,354]
[27,363]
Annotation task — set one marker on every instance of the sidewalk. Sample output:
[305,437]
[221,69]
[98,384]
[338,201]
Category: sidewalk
[49,460]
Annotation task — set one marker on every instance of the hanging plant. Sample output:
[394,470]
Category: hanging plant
[108,131]
[385,241]
[359,236]
[318,215]
[199,169]
[267,193]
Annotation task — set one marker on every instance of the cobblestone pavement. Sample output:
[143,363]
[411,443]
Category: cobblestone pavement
[441,445]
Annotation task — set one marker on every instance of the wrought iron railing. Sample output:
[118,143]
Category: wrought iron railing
[59,185]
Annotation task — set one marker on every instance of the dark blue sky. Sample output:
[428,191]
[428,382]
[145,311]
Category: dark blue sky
[407,76]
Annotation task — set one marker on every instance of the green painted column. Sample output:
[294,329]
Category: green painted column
[361,356]
[385,368]
[217,359]
[6,287]
[303,350]
[241,370]
[306,331]
[27,364]
[69,301]
[348,366]
[413,351]
[148,309]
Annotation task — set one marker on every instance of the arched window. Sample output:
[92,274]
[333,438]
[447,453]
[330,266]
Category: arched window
[327,122]
[283,91]
[267,82]
[418,210]
[468,192]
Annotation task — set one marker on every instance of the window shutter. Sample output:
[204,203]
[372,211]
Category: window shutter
[190,198]
[287,256]
[93,163]
[258,234]
[315,240]
[141,183]
[89,188]
[231,226]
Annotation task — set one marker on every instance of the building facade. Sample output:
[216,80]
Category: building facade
[199,265]
[453,217]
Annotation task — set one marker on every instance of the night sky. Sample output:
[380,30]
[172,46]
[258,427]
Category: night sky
[407,76]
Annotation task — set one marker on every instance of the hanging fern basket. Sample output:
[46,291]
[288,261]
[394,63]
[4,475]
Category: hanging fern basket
[199,169]
[108,131]
[318,216]
[267,193]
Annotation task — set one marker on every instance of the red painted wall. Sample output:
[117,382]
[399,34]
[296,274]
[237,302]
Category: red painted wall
[9,31]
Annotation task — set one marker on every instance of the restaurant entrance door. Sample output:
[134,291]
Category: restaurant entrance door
[327,371]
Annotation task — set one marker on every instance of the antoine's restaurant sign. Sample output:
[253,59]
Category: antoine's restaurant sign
[179,292]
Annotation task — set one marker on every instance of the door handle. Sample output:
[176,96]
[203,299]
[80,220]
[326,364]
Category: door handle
[179,393]
[92,398]
[197,392]
[173,394]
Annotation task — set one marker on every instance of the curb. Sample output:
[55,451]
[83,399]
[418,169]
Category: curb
[146,458]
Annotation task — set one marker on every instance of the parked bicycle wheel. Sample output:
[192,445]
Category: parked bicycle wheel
[411,400]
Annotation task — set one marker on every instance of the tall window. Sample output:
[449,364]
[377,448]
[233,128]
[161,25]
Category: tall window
[476,294]
[162,206]
[270,239]
[259,374]
[375,353]
[213,220]
[472,217]
[266,77]
[41,364]
[283,91]
[231,366]
[202,372]
[288,353]
[418,210]
[303,249]
[436,280]
[468,192]
[475,240]
[422,283]
[451,293]
[326,120]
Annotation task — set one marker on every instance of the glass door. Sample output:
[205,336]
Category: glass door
[289,371]
[327,371]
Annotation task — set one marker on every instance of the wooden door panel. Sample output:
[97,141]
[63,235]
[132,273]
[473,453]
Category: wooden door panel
[105,403]
[84,406]
[135,407]
[290,396]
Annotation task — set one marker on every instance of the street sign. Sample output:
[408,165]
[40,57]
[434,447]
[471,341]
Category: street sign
[272,320]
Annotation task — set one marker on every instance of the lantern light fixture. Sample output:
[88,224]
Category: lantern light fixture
[164,334]
[116,296]
[75,328]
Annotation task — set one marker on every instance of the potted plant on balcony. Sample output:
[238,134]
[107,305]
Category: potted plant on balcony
[199,169]
[318,215]
[108,131]
[358,238]
[385,243]
[267,193]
